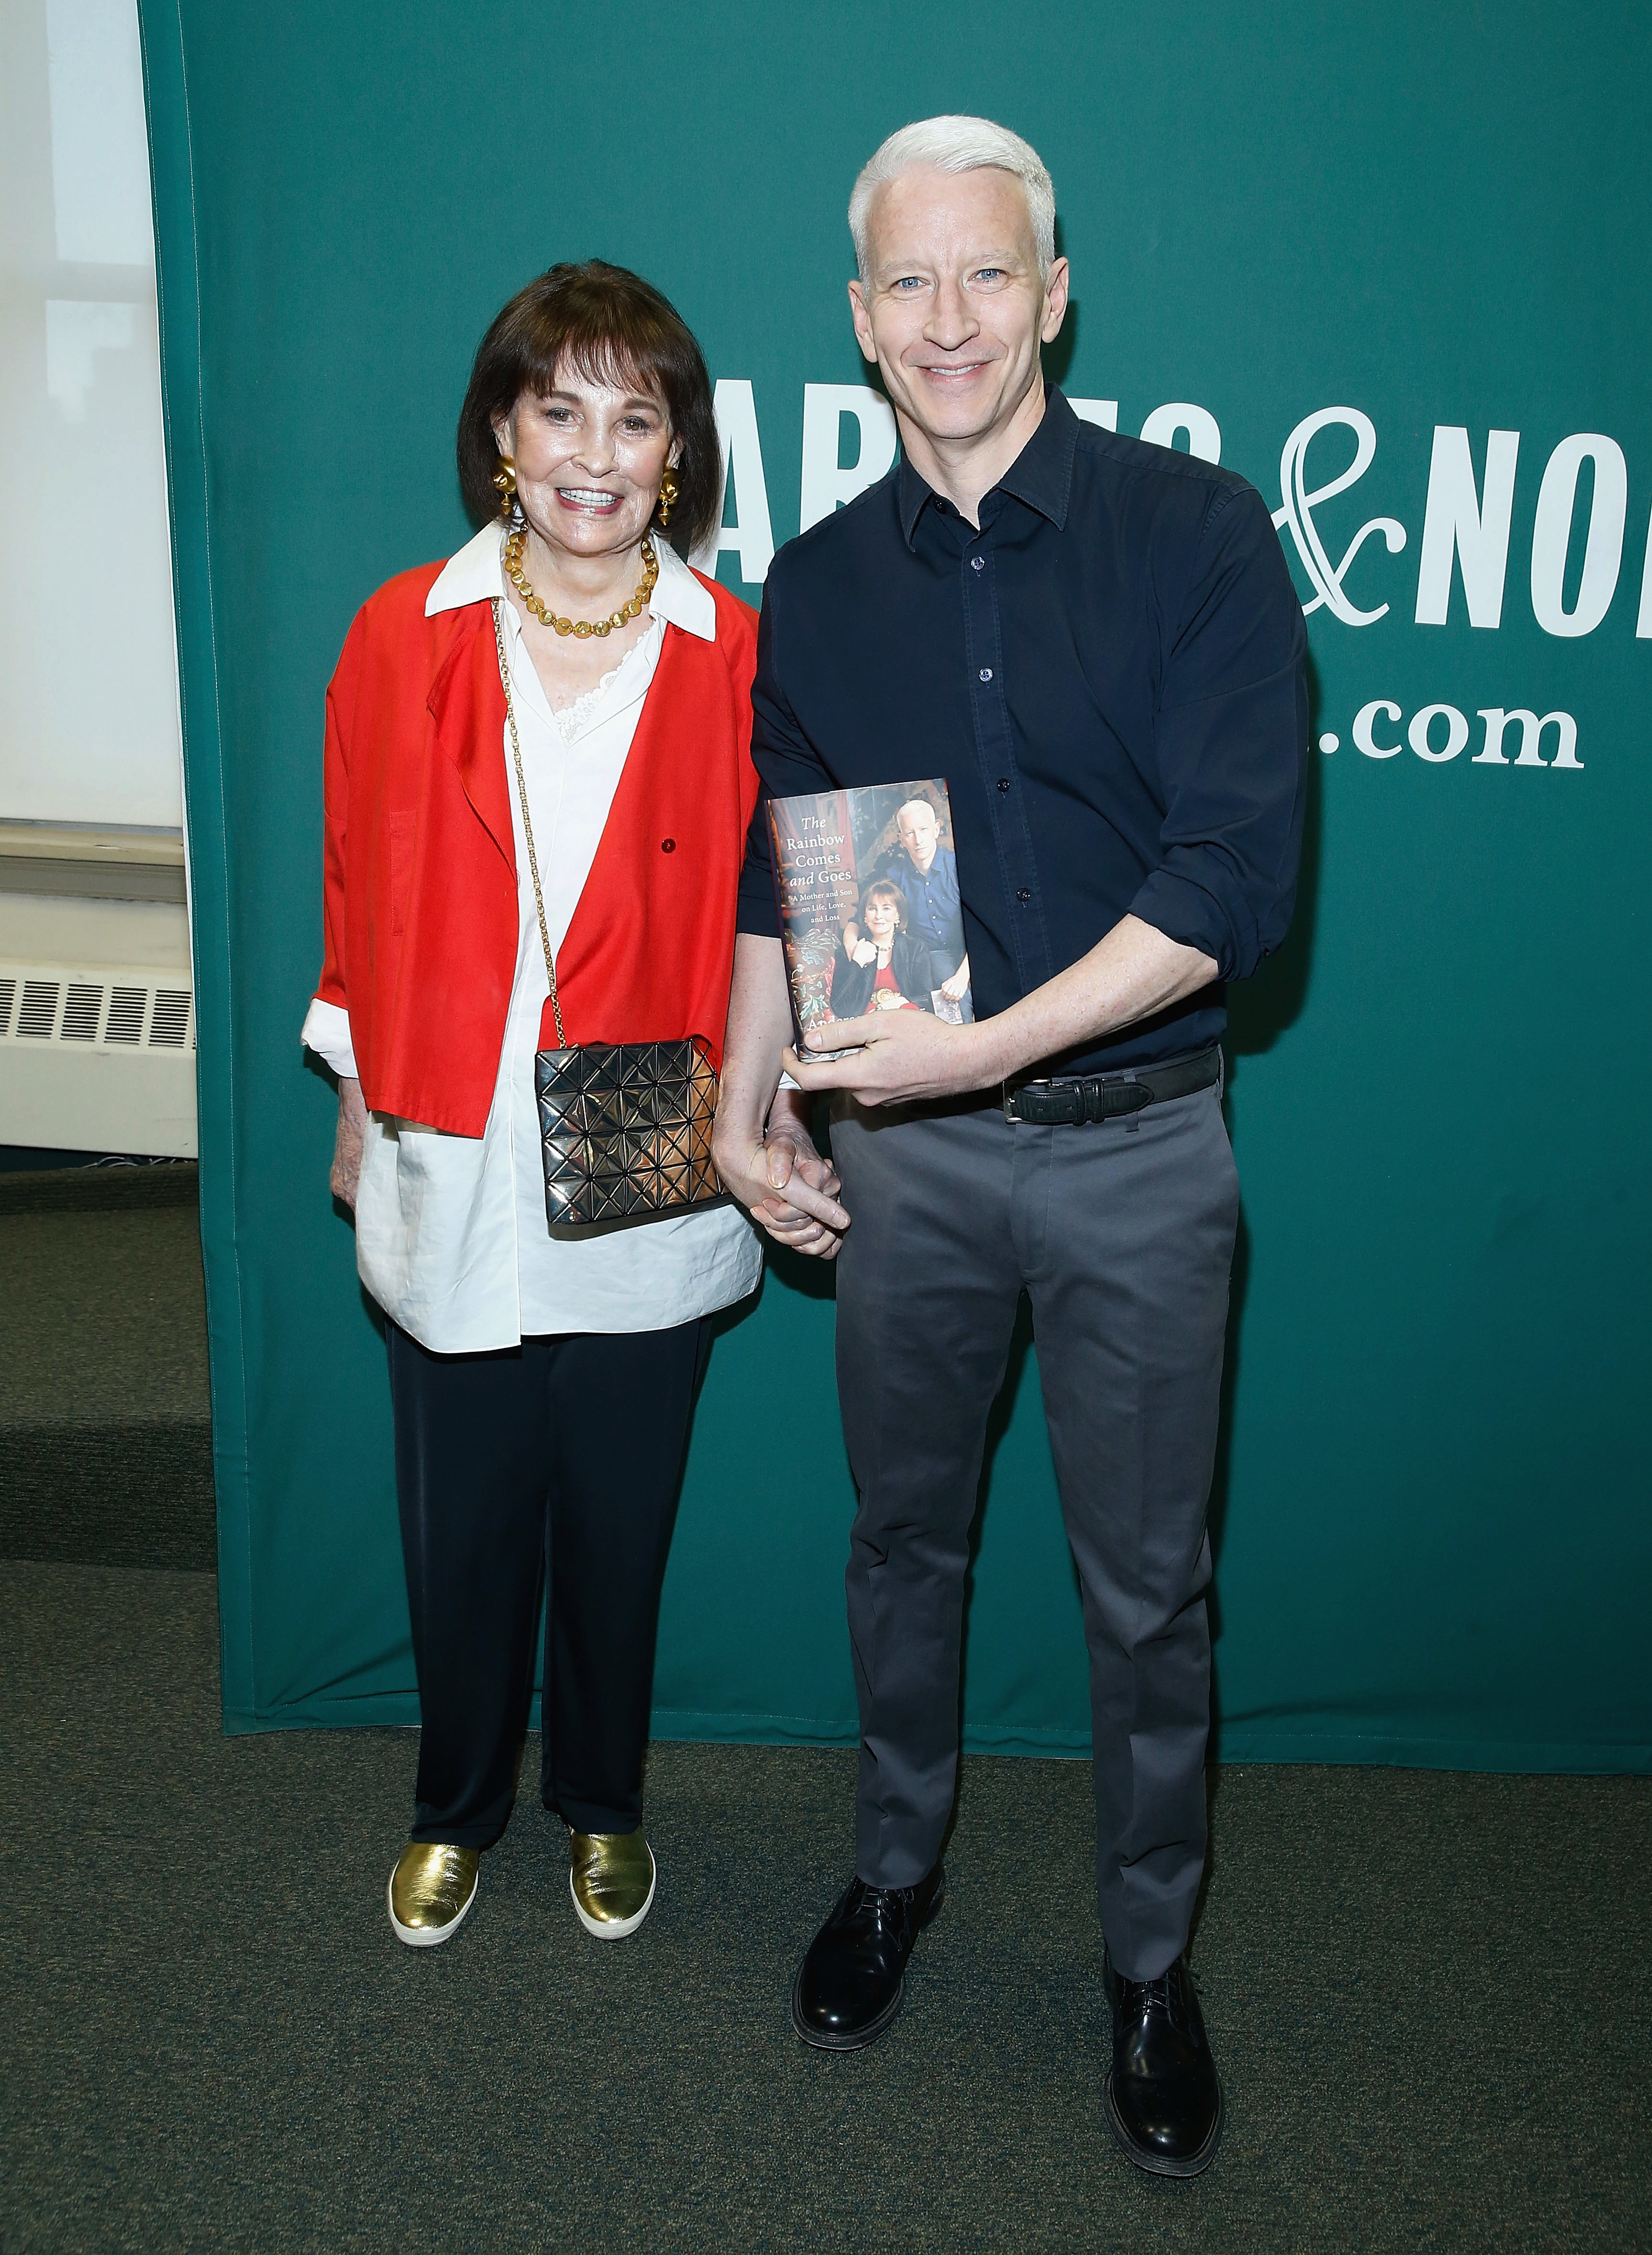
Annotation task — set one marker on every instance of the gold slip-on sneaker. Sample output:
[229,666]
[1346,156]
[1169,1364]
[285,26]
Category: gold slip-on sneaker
[611,1880]
[431,1889]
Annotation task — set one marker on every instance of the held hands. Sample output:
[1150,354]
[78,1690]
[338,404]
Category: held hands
[786,1185]
[899,1057]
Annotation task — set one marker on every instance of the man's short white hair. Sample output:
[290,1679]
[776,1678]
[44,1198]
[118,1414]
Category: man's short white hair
[957,145]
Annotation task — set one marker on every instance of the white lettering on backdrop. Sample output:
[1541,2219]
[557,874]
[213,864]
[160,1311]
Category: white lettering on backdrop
[1466,529]
[824,483]
[1552,534]
[827,485]
[1458,523]
[1419,735]
[1531,730]
[751,534]
[1365,730]
[1296,515]
[1204,438]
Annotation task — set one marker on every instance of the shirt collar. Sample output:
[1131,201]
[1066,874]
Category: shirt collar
[1041,474]
[475,575]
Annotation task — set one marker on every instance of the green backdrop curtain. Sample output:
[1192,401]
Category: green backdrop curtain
[1425,227]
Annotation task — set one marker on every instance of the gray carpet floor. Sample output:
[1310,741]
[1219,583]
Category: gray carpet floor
[1430,1995]
[106,1452]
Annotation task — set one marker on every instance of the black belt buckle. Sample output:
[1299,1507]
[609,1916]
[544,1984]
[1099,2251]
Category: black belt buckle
[1051,1105]
[1071,1103]
[1109,1095]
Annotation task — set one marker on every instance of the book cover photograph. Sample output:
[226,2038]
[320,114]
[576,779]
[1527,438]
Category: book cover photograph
[867,883]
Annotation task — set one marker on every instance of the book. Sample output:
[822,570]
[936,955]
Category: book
[867,886]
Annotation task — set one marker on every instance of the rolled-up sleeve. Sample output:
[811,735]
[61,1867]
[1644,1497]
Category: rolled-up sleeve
[755,910]
[327,1030]
[787,764]
[1232,745]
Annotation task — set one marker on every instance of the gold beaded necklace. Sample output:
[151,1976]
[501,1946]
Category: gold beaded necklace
[581,628]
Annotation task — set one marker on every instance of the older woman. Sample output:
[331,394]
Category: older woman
[537,756]
[882,967]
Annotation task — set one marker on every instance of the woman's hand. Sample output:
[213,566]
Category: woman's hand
[786,1187]
[347,1145]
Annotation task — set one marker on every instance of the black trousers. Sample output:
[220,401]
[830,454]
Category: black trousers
[551,1465]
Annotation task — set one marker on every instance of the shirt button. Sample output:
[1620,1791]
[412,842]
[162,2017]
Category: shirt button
[1004,783]
[976,563]
[1024,895]
[986,673]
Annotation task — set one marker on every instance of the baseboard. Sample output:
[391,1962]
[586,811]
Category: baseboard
[1337,1750]
[1513,1757]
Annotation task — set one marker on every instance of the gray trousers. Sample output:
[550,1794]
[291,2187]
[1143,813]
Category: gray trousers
[1122,1234]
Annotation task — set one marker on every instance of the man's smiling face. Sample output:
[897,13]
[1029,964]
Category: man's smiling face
[954,310]
[918,833]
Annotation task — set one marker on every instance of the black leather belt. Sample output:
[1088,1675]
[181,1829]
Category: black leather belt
[1109,1095]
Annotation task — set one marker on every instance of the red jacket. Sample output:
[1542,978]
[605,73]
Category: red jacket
[421,898]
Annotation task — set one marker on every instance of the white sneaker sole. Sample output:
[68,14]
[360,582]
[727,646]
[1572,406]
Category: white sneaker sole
[424,1937]
[615,1930]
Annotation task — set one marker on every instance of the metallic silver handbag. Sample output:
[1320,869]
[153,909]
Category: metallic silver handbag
[625,1126]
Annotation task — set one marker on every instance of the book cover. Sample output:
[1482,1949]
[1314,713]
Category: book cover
[867,883]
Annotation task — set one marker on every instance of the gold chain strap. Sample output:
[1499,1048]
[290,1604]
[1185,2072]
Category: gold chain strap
[528,827]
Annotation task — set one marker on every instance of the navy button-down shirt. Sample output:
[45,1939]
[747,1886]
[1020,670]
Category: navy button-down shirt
[935,905]
[1111,676]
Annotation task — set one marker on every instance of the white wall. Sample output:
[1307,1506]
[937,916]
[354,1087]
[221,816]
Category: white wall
[89,685]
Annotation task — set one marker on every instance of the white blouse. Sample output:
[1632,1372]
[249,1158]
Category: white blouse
[451,1239]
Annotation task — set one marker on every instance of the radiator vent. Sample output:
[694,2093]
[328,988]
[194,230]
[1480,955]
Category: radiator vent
[131,1010]
[127,1007]
[81,1008]
[168,1022]
[39,1015]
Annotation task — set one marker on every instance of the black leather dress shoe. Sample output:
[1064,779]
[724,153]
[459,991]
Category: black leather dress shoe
[1164,2097]
[849,1986]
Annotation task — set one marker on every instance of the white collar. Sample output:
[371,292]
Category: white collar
[475,576]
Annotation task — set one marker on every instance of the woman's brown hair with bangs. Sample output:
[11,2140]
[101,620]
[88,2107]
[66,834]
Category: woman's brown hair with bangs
[882,889]
[614,327]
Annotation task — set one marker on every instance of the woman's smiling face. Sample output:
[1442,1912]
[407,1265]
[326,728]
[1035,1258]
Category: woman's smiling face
[881,919]
[589,459]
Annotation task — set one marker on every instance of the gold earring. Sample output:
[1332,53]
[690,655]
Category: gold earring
[505,479]
[667,498]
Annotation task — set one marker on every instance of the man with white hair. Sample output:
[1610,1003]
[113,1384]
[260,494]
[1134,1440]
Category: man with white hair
[927,873]
[1097,643]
